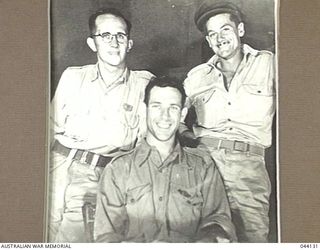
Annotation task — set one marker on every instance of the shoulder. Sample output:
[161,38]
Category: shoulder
[195,155]
[79,69]
[142,74]
[199,77]
[72,78]
[261,55]
[73,73]
[120,160]
[201,69]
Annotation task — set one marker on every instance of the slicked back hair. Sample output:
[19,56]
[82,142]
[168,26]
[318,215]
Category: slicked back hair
[162,82]
[111,11]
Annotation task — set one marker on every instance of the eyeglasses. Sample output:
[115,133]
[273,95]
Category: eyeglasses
[107,37]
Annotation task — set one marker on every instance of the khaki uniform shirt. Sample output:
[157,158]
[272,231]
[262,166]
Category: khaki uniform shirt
[245,111]
[87,114]
[142,199]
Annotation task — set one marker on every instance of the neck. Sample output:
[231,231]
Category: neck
[231,64]
[110,73]
[164,147]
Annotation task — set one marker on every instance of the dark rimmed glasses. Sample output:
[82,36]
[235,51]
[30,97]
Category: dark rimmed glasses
[107,37]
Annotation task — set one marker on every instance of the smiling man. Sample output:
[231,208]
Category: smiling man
[96,114]
[160,191]
[234,100]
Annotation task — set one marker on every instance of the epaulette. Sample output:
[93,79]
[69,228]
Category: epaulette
[144,74]
[121,155]
[204,155]
[197,69]
[265,52]
[80,67]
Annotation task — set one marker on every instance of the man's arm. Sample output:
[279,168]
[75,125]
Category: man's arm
[216,222]
[111,217]
[58,106]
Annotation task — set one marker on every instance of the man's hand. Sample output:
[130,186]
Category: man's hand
[187,138]
[220,239]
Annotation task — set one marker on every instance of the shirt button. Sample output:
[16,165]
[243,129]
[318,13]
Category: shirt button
[229,103]
[259,91]
[132,200]
[160,198]
[230,128]
[229,120]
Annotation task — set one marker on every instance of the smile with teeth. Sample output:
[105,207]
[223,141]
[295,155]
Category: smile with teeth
[222,44]
[164,125]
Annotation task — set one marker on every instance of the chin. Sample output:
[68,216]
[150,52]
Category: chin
[114,62]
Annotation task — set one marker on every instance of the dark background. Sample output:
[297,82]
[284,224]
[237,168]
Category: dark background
[165,37]
[24,77]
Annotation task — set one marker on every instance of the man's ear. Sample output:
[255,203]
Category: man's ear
[241,29]
[184,113]
[208,40]
[91,44]
[130,45]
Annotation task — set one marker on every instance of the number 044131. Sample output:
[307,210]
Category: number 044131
[309,245]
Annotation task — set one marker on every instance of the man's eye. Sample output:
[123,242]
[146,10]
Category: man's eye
[175,108]
[105,35]
[154,106]
[212,35]
[121,36]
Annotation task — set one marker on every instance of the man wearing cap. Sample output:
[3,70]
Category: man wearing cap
[96,114]
[234,99]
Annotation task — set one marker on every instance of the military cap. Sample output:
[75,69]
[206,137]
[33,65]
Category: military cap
[210,8]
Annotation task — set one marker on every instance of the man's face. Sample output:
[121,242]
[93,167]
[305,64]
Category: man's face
[114,52]
[223,35]
[164,112]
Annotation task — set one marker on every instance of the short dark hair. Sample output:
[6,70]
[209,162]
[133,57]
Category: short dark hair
[232,17]
[111,11]
[162,82]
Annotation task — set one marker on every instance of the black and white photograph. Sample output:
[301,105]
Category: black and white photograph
[163,121]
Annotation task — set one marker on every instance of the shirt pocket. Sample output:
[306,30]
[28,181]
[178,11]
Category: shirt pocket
[260,89]
[185,205]
[135,194]
[256,102]
[139,208]
[131,119]
[203,104]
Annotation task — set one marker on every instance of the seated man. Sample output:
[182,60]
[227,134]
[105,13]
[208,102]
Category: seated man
[160,191]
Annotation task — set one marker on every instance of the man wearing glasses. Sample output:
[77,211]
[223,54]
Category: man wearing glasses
[96,114]
[234,99]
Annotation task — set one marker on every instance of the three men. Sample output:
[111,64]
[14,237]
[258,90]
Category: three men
[96,114]
[160,191]
[234,99]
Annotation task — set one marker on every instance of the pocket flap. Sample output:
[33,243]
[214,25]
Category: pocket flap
[258,89]
[134,194]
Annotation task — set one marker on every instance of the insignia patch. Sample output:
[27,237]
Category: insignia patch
[127,107]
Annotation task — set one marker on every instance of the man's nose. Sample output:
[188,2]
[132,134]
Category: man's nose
[219,37]
[165,113]
[114,41]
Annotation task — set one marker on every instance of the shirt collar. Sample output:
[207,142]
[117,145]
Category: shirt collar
[95,75]
[246,49]
[144,150]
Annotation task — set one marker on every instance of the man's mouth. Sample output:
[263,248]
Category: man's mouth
[164,125]
[114,53]
[222,44]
